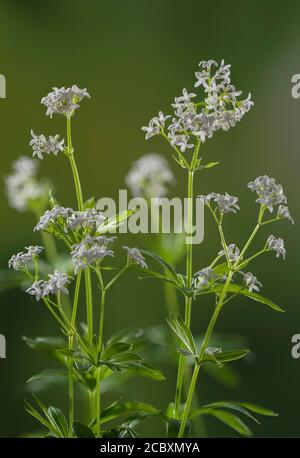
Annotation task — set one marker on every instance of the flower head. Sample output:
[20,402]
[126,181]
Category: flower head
[149,176]
[64,100]
[269,192]
[89,218]
[22,186]
[56,284]
[284,213]
[42,145]
[56,215]
[203,277]
[90,250]
[21,260]
[155,125]
[36,289]
[233,252]
[218,108]
[135,256]
[225,202]
[276,245]
[251,281]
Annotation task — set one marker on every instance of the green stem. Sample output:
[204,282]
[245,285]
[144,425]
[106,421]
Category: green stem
[71,344]
[98,381]
[187,407]
[87,273]
[188,300]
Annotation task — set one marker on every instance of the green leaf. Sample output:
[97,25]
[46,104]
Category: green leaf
[114,349]
[231,420]
[230,405]
[226,356]
[118,409]
[111,224]
[161,261]
[210,165]
[184,334]
[81,430]
[89,203]
[233,288]
[59,420]
[258,409]
[46,345]
[147,371]
[46,378]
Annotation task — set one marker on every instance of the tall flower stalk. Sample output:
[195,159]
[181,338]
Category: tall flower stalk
[196,118]
[85,232]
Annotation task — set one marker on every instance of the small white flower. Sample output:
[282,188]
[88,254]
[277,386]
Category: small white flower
[203,277]
[64,100]
[42,145]
[36,289]
[284,213]
[276,245]
[269,192]
[56,284]
[90,250]
[51,217]
[251,281]
[233,252]
[225,202]
[21,260]
[136,257]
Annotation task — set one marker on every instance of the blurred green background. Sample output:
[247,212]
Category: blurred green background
[134,56]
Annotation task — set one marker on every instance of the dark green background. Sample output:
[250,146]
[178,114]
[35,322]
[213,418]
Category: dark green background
[134,56]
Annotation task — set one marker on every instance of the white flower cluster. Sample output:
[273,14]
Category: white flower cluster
[21,260]
[56,284]
[70,220]
[51,217]
[225,202]
[204,277]
[90,250]
[270,194]
[233,252]
[149,176]
[218,109]
[276,245]
[22,186]
[135,257]
[42,145]
[251,281]
[64,100]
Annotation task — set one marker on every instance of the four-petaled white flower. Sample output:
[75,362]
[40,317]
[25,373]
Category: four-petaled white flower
[276,245]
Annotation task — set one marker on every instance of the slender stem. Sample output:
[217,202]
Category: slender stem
[205,343]
[98,400]
[71,343]
[100,339]
[89,303]
[116,277]
[87,273]
[188,300]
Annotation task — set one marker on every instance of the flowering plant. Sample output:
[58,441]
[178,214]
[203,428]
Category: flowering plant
[92,365]
[85,233]
[196,118]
